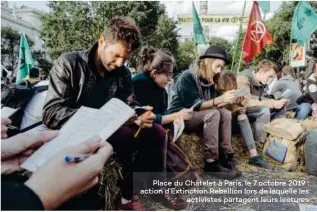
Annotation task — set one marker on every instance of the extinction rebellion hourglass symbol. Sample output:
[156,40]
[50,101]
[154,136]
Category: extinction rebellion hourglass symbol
[258,31]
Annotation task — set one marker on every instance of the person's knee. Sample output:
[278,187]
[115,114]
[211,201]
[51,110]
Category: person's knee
[303,111]
[225,115]
[158,131]
[212,116]
[265,113]
[242,117]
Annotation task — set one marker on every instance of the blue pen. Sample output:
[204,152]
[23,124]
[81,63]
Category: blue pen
[76,158]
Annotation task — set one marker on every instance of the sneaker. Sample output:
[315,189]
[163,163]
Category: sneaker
[260,162]
[216,170]
[134,205]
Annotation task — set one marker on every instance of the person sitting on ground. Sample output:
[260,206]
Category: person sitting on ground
[155,69]
[40,191]
[196,86]
[225,82]
[260,108]
[309,98]
[91,78]
[155,72]
[287,87]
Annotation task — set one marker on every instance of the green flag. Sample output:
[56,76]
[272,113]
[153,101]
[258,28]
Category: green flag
[198,37]
[304,22]
[265,6]
[25,59]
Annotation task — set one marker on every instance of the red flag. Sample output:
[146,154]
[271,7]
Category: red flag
[257,35]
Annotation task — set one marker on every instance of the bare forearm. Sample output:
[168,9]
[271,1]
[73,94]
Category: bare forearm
[166,119]
[210,104]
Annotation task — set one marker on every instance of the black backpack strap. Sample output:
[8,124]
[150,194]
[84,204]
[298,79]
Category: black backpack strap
[31,126]
[39,89]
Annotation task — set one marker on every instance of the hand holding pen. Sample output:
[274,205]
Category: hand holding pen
[145,120]
[76,177]
[81,157]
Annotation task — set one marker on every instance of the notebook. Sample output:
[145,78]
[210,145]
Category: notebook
[84,124]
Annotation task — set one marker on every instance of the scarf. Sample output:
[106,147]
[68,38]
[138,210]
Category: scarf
[206,95]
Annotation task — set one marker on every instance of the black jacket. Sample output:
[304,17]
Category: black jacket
[17,196]
[74,82]
[310,96]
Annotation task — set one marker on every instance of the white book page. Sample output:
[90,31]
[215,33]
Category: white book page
[88,123]
[179,126]
[6,112]
[80,116]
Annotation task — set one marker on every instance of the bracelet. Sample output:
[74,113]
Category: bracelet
[214,101]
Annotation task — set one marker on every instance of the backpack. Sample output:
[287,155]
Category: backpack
[177,163]
[17,96]
[283,144]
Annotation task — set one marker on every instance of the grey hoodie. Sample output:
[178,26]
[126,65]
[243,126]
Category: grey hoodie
[289,89]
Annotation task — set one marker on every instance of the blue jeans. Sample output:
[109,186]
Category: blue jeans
[303,110]
[257,117]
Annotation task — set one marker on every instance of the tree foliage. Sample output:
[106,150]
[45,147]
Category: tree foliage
[10,44]
[217,41]
[77,25]
[44,65]
[186,55]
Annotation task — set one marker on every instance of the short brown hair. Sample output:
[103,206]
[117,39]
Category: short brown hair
[288,70]
[266,65]
[226,81]
[160,60]
[125,30]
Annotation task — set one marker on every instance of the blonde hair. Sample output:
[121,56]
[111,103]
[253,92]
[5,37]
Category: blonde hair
[266,65]
[288,70]
[204,71]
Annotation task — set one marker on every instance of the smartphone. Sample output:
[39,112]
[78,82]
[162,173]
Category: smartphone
[139,110]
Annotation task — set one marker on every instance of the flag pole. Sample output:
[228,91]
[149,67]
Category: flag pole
[237,43]
[239,62]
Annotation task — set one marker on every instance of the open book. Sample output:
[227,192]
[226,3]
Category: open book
[84,124]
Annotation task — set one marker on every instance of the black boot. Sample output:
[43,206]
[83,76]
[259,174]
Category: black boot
[216,170]
[228,161]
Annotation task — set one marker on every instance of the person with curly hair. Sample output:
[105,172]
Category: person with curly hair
[91,78]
